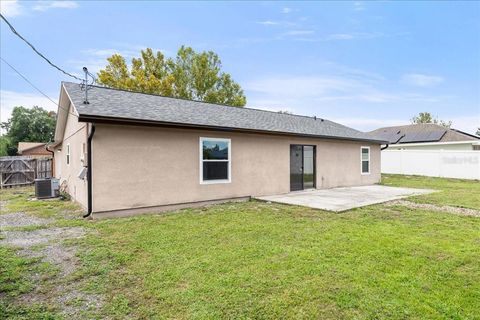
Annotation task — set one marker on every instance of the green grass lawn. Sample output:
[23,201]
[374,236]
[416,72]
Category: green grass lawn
[453,192]
[268,261]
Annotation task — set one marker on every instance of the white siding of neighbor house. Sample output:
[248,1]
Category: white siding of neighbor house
[465,146]
[433,163]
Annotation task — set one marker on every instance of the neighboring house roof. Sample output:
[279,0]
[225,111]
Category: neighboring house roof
[423,132]
[106,104]
[24,146]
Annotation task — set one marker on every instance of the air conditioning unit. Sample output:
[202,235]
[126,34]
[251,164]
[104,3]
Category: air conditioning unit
[46,188]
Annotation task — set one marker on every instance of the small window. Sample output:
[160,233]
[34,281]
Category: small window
[68,154]
[82,152]
[365,160]
[215,162]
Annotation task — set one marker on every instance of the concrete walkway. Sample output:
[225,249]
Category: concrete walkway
[342,199]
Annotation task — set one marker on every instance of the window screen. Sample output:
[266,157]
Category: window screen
[365,159]
[68,154]
[215,160]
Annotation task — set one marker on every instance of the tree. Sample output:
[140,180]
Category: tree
[190,75]
[478,132]
[4,143]
[30,125]
[426,117]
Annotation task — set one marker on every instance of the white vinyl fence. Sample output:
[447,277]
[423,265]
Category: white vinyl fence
[433,163]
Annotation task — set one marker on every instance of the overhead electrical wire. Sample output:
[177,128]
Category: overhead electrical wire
[35,87]
[36,51]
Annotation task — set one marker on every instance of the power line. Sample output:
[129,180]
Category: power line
[35,87]
[36,51]
[65,139]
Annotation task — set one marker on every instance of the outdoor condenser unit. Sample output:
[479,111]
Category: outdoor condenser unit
[46,188]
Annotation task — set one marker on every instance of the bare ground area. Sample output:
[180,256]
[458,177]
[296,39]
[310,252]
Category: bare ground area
[21,219]
[51,245]
[453,210]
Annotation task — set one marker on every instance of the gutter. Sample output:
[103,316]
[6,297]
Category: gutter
[383,148]
[89,172]
[53,159]
[52,152]
[153,123]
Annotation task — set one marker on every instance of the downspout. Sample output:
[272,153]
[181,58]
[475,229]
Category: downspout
[53,159]
[383,148]
[89,172]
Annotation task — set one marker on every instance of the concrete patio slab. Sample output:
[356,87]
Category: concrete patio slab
[346,198]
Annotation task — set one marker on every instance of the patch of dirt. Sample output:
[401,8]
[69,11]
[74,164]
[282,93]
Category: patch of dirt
[61,256]
[449,209]
[25,239]
[21,219]
[48,245]
[73,302]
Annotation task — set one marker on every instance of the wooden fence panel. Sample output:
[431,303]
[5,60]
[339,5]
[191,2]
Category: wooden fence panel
[22,170]
[43,168]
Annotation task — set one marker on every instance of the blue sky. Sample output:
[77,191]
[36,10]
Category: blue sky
[364,64]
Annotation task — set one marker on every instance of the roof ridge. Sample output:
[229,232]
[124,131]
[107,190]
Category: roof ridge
[127,104]
[212,103]
[413,124]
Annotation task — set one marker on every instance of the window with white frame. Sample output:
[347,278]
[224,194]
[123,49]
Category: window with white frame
[215,160]
[365,159]
[68,154]
[83,153]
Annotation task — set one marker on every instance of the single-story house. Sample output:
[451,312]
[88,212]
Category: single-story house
[33,149]
[427,136]
[121,152]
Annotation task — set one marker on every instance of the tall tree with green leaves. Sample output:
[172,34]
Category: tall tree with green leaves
[478,132]
[4,143]
[28,125]
[190,75]
[426,117]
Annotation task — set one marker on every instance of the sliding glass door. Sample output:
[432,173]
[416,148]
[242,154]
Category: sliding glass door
[302,167]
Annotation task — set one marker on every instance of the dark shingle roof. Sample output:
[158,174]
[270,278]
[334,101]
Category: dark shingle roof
[126,105]
[422,132]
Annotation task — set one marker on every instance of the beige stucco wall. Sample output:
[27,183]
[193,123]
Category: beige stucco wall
[137,167]
[75,135]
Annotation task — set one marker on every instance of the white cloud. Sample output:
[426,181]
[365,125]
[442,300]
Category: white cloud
[367,99]
[95,59]
[11,99]
[344,37]
[340,36]
[467,124]
[369,124]
[46,5]
[303,89]
[268,23]
[298,86]
[421,80]
[298,32]
[278,23]
[94,65]
[358,6]
[281,91]
[286,10]
[10,8]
